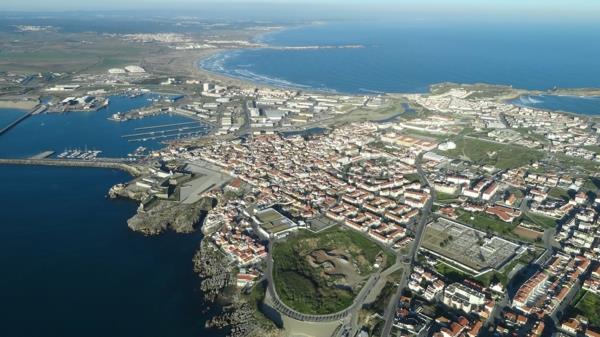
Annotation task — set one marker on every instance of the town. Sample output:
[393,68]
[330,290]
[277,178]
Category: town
[452,213]
[474,238]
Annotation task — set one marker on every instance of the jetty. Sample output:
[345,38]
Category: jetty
[38,109]
[122,164]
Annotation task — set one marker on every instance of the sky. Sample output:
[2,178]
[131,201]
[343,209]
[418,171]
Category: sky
[523,9]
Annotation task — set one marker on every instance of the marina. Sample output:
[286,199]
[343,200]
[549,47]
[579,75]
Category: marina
[78,154]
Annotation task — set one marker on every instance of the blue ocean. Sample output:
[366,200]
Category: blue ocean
[411,56]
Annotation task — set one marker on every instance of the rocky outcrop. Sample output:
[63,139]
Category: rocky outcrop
[214,270]
[218,277]
[163,215]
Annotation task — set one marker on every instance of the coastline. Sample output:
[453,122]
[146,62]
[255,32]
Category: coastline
[516,93]
[246,83]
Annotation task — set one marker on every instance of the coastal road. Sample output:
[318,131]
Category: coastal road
[390,311]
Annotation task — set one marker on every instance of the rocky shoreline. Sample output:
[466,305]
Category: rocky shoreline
[157,215]
[238,315]
[182,218]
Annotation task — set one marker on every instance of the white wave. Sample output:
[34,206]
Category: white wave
[370,91]
[254,77]
[216,64]
[530,100]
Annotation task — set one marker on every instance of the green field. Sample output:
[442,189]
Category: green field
[445,198]
[594,148]
[543,221]
[573,162]
[59,54]
[306,288]
[488,223]
[588,306]
[456,275]
[488,153]
[559,193]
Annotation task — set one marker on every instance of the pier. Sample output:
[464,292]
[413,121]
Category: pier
[164,126]
[38,109]
[173,132]
[173,136]
[122,164]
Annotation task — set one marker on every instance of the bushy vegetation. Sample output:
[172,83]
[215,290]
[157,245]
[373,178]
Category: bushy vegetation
[304,287]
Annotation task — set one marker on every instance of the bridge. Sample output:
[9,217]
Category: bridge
[38,109]
[122,164]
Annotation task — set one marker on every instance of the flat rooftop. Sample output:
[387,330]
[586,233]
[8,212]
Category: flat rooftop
[467,247]
[274,222]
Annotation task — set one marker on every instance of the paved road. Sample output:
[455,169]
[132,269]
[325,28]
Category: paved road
[390,311]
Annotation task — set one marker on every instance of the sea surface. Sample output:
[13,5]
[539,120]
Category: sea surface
[411,56]
[70,265]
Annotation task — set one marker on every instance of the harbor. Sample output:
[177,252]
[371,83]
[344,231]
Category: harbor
[91,132]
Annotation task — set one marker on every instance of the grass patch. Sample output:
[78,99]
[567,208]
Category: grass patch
[593,148]
[412,177]
[541,220]
[588,306]
[488,224]
[559,193]
[455,275]
[444,198]
[574,162]
[502,156]
[451,273]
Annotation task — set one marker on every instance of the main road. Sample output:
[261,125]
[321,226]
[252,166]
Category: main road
[390,311]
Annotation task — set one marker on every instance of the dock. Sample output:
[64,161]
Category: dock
[173,132]
[167,136]
[38,109]
[164,126]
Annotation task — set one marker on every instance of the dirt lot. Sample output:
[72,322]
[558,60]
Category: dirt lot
[527,233]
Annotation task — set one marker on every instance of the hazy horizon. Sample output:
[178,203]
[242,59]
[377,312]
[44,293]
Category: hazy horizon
[470,10]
